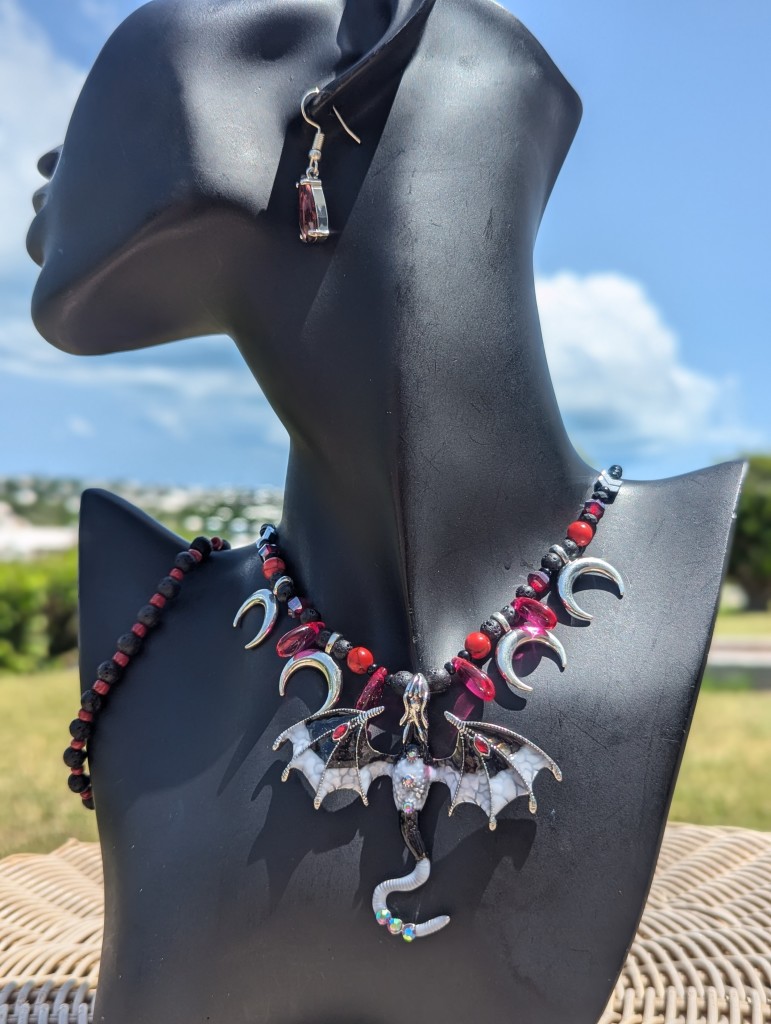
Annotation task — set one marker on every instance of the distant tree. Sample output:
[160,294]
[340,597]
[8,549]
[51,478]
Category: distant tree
[750,563]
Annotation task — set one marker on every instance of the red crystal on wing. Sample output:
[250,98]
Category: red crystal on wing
[474,679]
[309,216]
[373,690]
[339,732]
[533,616]
[298,639]
[482,746]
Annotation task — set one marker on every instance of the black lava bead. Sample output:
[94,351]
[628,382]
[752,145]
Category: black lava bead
[202,545]
[129,644]
[79,783]
[341,648]
[185,561]
[309,615]
[80,730]
[438,680]
[88,803]
[149,616]
[91,701]
[570,547]
[525,591]
[168,587]
[599,494]
[74,758]
[109,671]
[589,518]
[615,472]
[399,681]
[492,629]
[551,562]
[509,614]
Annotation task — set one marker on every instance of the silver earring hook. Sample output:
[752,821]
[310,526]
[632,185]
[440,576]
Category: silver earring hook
[311,92]
[314,92]
[342,122]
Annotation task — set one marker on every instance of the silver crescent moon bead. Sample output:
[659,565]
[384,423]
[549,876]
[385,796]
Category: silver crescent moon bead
[570,573]
[508,646]
[267,601]
[323,663]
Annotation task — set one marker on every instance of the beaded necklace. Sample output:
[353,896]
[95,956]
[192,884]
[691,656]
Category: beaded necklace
[490,765]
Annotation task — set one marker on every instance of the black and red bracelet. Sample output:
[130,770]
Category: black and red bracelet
[128,646]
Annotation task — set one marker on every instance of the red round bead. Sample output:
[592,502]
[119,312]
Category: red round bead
[580,532]
[478,645]
[359,660]
[271,566]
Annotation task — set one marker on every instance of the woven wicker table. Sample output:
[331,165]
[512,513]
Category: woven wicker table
[702,954]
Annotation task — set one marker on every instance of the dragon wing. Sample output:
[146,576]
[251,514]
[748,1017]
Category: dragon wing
[490,767]
[332,750]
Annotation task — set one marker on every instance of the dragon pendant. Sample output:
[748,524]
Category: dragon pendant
[490,766]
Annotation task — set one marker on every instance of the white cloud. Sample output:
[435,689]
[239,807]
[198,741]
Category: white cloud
[38,89]
[104,14]
[618,373]
[80,426]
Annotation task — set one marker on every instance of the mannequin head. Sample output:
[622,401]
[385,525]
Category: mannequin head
[177,157]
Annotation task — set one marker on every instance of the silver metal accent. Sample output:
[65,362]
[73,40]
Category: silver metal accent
[323,663]
[560,552]
[508,646]
[415,700]
[417,877]
[345,126]
[609,483]
[333,638]
[267,601]
[279,581]
[570,573]
[502,621]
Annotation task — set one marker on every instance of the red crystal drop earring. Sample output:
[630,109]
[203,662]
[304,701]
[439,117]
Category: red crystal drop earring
[312,204]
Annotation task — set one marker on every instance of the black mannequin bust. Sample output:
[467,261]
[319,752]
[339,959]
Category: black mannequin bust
[429,471]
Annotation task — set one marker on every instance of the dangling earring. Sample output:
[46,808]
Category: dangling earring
[314,220]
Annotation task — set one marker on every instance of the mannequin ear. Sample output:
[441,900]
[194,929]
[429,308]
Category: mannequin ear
[377,39]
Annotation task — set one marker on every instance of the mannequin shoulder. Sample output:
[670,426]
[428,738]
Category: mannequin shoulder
[712,492]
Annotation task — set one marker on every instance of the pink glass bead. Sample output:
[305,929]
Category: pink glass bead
[298,639]
[475,680]
[373,689]
[533,616]
[539,581]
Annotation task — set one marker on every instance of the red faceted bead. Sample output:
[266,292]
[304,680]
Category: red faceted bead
[339,732]
[482,746]
[580,532]
[121,659]
[158,600]
[177,574]
[196,554]
[478,645]
[271,566]
[85,716]
[100,686]
[534,615]
[139,630]
[475,680]
[594,508]
[373,689]
[359,660]
[298,639]
[77,744]
[539,581]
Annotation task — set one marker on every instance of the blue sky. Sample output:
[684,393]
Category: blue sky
[652,261]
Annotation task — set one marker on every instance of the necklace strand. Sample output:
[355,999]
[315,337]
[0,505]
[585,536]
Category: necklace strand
[526,612]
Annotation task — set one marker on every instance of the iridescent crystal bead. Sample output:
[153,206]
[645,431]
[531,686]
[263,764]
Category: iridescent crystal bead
[474,679]
[298,639]
[395,925]
[533,616]
[408,932]
[383,916]
[373,690]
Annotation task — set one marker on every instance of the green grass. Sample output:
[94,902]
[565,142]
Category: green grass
[724,779]
[741,624]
